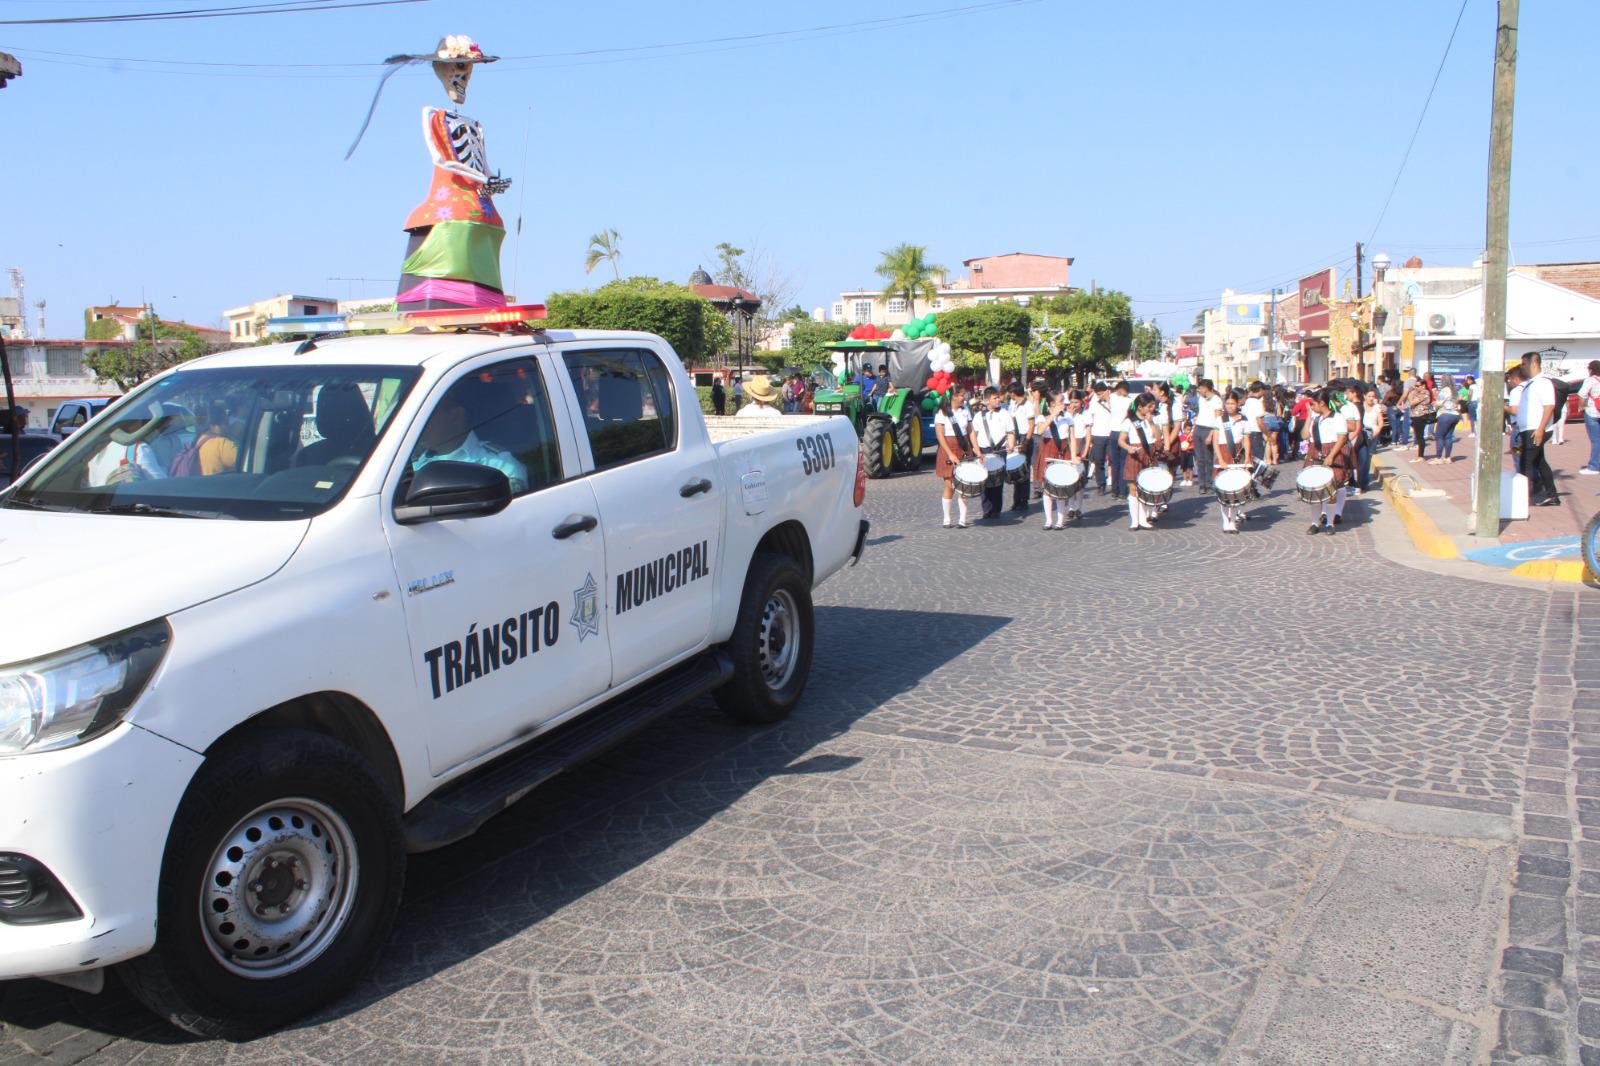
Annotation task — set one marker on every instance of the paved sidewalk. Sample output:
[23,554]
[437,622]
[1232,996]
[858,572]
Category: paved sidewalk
[1579,499]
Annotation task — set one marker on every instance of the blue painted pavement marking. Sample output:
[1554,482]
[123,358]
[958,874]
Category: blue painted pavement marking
[1510,556]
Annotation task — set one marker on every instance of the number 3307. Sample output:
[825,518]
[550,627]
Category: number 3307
[816,453]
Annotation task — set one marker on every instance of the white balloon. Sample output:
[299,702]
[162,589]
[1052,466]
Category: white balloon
[949,366]
[898,335]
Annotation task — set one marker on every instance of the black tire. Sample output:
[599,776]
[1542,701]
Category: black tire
[773,581]
[908,441]
[181,979]
[877,441]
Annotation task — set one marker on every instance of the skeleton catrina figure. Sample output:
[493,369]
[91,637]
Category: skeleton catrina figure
[453,248]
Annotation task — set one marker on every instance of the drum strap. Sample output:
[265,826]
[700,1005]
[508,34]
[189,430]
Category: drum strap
[1144,441]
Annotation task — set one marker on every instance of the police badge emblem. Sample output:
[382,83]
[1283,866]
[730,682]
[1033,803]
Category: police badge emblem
[586,609]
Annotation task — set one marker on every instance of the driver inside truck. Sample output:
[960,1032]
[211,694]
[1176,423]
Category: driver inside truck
[451,431]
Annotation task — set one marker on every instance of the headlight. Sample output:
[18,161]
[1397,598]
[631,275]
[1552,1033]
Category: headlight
[69,697]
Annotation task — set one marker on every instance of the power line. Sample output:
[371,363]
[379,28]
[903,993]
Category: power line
[1418,128]
[285,7]
[580,57]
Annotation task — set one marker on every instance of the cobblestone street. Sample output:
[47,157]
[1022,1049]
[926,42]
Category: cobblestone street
[1084,796]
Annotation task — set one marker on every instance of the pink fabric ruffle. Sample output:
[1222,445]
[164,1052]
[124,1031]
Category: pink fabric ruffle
[465,293]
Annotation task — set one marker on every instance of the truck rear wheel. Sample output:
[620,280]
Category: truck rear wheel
[281,879]
[877,441]
[908,440]
[771,642]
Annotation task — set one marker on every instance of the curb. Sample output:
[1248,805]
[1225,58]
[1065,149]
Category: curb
[1570,570]
[1425,535]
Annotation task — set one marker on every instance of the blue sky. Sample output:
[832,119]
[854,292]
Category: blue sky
[1171,147]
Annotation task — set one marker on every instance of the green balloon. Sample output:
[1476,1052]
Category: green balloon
[932,330]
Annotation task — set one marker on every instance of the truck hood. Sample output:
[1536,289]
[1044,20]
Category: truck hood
[70,578]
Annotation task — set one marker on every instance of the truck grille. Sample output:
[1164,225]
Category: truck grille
[15,885]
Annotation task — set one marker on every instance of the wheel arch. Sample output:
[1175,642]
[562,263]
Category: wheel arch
[341,717]
[788,538]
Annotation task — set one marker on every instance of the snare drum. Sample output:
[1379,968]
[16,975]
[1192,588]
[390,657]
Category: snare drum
[1016,468]
[1063,479]
[969,478]
[1153,487]
[1232,485]
[1265,476]
[994,470]
[1315,485]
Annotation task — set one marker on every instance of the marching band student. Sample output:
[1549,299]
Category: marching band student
[1346,404]
[950,427]
[1054,440]
[1329,442]
[1139,440]
[1078,446]
[993,433]
[1233,442]
[1103,433]
[1166,415]
[1023,411]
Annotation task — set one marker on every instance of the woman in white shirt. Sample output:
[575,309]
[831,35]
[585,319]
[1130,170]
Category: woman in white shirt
[1140,440]
[950,430]
[1231,443]
[1589,401]
[1054,442]
[1329,439]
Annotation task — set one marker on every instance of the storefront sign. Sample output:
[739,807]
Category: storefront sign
[1314,292]
[1456,358]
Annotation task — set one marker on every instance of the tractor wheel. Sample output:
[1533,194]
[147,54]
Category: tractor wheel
[908,441]
[877,441]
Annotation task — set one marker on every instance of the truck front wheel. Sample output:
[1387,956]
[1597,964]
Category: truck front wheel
[771,643]
[281,879]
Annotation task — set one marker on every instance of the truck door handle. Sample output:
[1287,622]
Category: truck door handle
[575,523]
[695,487]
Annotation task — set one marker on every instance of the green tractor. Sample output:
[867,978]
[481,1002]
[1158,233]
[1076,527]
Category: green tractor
[892,434]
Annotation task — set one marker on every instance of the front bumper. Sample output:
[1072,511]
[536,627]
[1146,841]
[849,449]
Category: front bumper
[97,817]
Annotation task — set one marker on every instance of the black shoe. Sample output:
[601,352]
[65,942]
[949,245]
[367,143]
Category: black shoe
[1338,520]
[1549,501]
[1314,530]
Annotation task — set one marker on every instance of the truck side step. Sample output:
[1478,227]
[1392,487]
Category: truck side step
[457,811]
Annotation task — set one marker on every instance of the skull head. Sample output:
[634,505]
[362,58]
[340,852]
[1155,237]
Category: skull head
[454,78]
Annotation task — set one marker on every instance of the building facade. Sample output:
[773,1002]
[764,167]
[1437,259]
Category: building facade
[45,373]
[738,306]
[1018,277]
[124,325]
[245,324]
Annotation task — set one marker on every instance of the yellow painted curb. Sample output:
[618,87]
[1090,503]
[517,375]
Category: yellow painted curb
[1427,537]
[1551,570]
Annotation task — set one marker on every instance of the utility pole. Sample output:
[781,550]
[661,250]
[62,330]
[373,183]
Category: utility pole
[1490,435]
[1272,322]
[1361,335]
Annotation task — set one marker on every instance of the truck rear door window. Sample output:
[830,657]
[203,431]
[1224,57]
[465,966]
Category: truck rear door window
[625,396]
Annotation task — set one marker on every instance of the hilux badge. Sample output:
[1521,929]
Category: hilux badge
[586,609]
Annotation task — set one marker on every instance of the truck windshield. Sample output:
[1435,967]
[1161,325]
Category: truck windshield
[260,443]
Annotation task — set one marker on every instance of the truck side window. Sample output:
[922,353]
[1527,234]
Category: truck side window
[626,399]
[495,416]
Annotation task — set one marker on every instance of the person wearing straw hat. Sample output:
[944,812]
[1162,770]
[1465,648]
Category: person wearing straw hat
[763,399]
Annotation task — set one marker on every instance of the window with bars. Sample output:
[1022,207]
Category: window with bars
[63,362]
[897,306]
[863,312]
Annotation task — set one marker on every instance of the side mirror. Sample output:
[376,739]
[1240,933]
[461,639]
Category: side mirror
[446,489]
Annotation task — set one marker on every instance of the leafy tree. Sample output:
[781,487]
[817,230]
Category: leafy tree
[1147,341]
[978,332]
[604,247]
[106,329]
[1096,329]
[1199,322]
[154,349]
[733,270]
[807,340]
[695,329]
[793,314]
[907,273]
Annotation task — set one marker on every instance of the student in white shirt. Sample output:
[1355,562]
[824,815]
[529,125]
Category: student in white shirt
[994,433]
[1589,401]
[1232,442]
[1205,422]
[1254,410]
[950,432]
[1102,433]
[1024,406]
[1329,439]
[1536,410]
[1140,442]
[1121,403]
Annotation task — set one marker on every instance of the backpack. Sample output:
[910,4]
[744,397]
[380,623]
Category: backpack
[1563,390]
[187,462]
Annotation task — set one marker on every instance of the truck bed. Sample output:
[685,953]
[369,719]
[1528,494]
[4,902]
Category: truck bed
[731,427]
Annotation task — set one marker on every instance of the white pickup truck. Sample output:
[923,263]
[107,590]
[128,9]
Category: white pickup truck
[350,599]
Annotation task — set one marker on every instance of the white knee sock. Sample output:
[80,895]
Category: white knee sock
[1133,513]
[946,501]
[1049,511]
[1338,503]
[961,507]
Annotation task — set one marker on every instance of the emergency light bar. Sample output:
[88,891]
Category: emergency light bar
[492,318]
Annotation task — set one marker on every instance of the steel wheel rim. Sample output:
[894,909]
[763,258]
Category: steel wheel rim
[279,888]
[780,639]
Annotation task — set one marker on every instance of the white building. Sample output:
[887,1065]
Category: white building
[1235,348]
[245,324]
[44,373]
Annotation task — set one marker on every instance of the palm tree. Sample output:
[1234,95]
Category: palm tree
[604,247]
[906,272]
